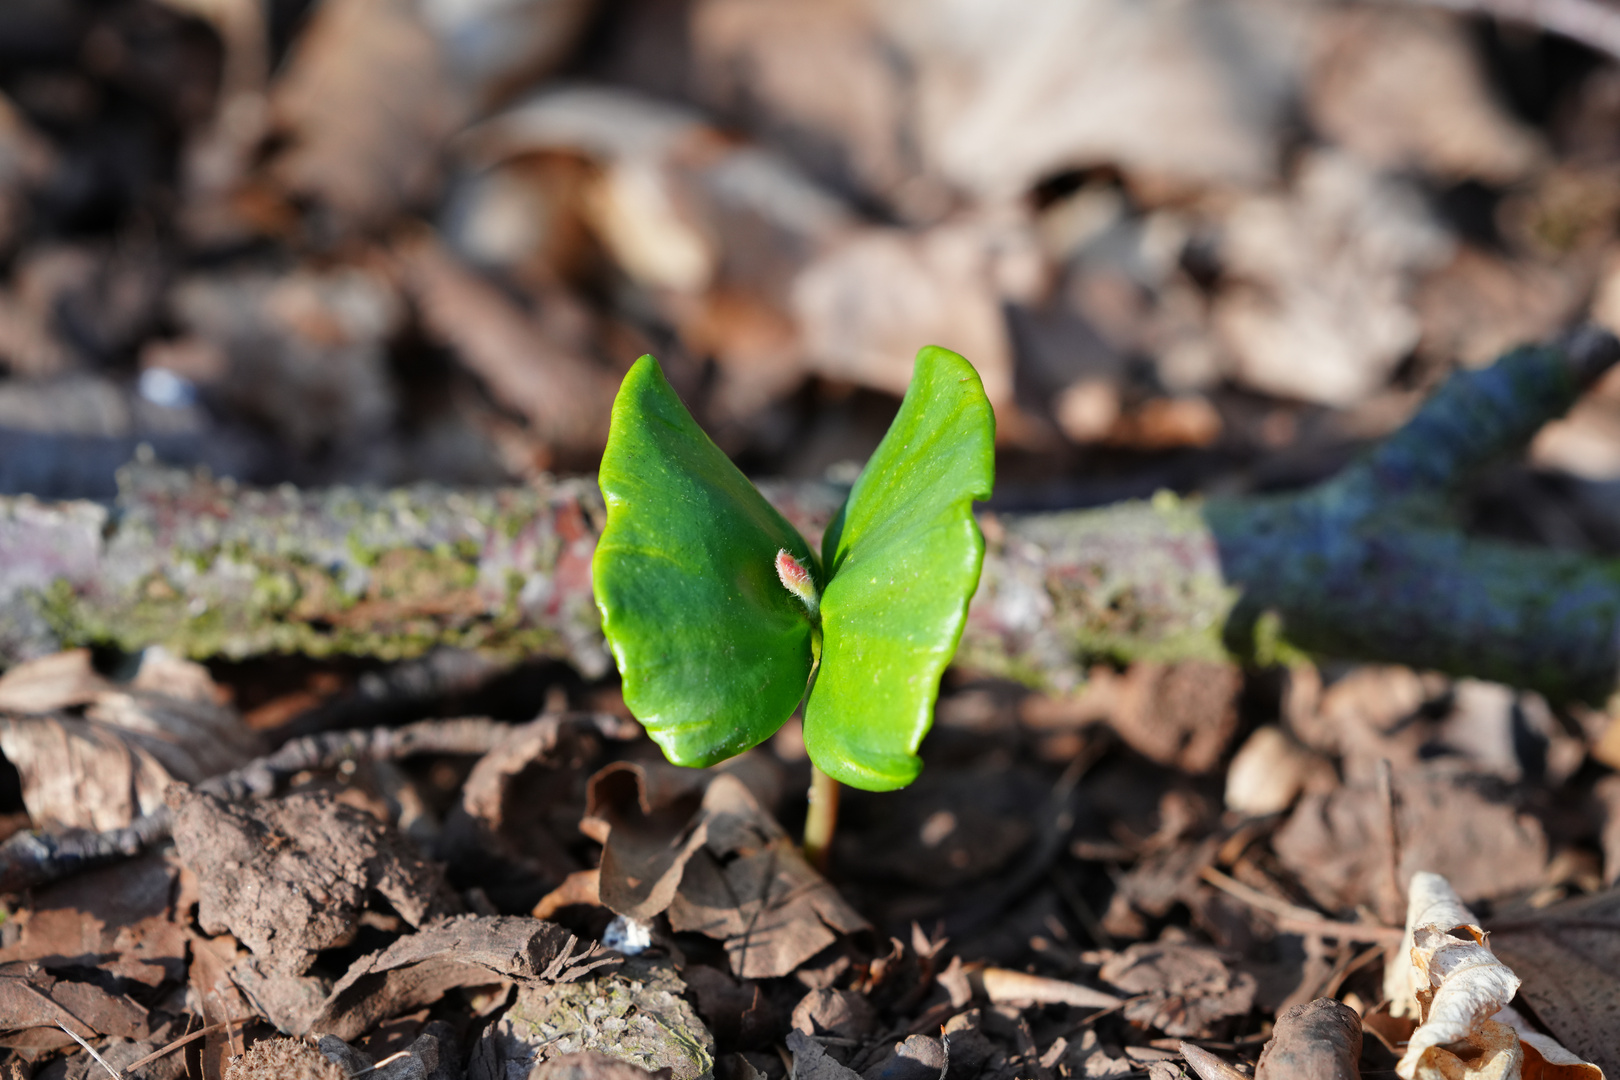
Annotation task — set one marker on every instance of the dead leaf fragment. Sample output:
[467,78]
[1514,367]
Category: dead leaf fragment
[716,861]
[634,1013]
[418,969]
[1568,959]
[812,1062]
[103,768]
[1458,985]
[1181,989]
[1003,986]
[290,877]
[1544,1056]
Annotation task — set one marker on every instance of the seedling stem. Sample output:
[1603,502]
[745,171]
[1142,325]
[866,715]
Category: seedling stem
[821,819]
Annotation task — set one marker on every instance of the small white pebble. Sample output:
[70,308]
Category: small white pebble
[627,936]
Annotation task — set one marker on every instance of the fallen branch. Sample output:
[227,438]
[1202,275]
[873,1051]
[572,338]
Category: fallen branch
[1367,565]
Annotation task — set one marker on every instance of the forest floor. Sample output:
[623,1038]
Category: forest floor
[380,242]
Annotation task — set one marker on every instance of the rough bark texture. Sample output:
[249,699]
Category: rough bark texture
[1366,565]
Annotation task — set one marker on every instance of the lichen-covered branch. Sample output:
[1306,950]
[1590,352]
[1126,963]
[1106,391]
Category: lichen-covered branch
[1366,565]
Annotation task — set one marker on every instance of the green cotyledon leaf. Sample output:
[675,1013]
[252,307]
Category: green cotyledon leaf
[713,651]
[901,561]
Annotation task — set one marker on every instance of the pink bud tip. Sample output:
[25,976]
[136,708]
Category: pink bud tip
[796,579]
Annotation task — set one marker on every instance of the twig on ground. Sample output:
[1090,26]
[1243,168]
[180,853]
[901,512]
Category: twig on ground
[89,1050]
[1300,920]
[183,1040]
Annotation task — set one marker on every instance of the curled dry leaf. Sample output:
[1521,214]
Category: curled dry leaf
[1457,985]
[1545,1058]
[1461,991]
[103,768]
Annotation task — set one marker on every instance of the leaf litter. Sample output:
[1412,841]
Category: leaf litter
[377,241]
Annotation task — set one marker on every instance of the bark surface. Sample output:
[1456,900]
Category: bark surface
[1368,565]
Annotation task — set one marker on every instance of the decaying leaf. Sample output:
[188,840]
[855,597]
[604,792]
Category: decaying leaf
[520,804]
[290,877]
[1323,314]
[717,862]
[1569,958]
[102,767]
[1457,985]
[1460,989]
[417,970]
[527,369]
[1181,989]
[34,1007]
[1544,1056]
[635,1014]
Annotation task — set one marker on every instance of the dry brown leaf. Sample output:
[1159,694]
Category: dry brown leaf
[1404,88]
[60,681]
[1207,1065]
[865,306]
[1569,958]
[751,887]
[1181,714]
[1181,989]
[114,763]
[374,89]
[1009,93]
[771,64]
[420,968]
[1337,843]
[1320,309]
[1270,770]
[367,100]
[1545,1058]
[563,395]
[716,861]
[303,352]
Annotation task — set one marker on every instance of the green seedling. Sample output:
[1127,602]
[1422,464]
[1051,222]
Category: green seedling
[722,618]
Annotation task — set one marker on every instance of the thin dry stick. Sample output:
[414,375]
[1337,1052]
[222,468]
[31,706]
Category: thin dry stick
[1338,980]
[1392,898]
[389,1060]
[182,1041]
[89,1050]
[1297,919]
